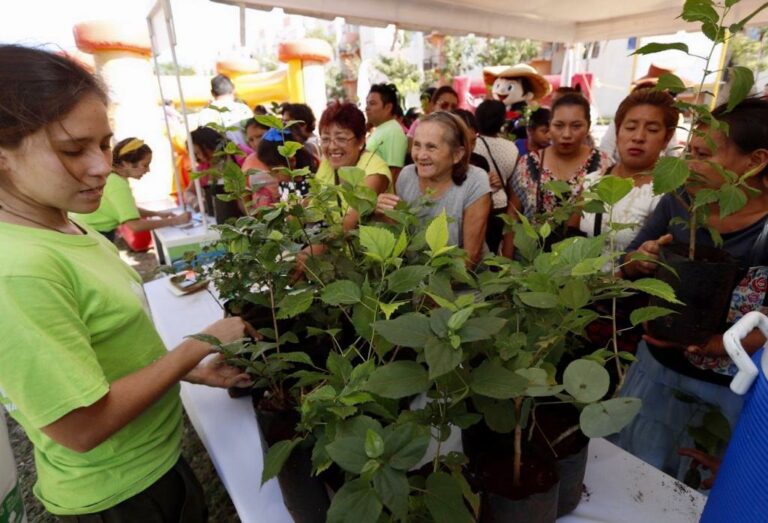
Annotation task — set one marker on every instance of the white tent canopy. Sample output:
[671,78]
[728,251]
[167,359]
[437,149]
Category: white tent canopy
[547,20]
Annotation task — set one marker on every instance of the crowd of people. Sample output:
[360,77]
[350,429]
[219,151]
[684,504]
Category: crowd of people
[109,441]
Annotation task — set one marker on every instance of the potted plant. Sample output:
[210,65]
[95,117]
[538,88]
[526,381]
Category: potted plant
[700,274]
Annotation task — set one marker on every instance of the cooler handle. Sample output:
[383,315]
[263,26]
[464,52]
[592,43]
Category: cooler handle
[748,371]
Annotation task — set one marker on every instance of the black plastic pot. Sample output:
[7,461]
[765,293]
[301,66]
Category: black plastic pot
[571,470]
[554,419]
[536,508]
[304,495]
[222,210]
[704,285]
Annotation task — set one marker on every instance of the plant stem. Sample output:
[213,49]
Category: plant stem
[518,443]
[274,317]
[565,434]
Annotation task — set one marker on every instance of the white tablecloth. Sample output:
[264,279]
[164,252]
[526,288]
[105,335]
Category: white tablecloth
[619,487]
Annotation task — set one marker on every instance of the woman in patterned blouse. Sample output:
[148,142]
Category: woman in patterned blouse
[568,159]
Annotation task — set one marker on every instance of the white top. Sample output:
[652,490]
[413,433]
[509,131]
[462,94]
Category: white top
[234,115]
[505,153]
[634,208]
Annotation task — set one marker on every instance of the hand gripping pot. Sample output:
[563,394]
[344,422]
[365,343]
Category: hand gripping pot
[738,494]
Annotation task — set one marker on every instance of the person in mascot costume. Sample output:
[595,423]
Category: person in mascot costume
[516,86]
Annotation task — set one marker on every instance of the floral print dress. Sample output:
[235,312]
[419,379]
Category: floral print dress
[530,177]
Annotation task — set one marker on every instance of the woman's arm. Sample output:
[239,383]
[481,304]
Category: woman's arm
[87,427]
[148,225]
[475,222]
[508,241]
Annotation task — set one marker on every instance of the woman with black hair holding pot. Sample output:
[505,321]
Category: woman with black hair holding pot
[679,382]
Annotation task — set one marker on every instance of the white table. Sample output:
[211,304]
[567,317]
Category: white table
[620,487]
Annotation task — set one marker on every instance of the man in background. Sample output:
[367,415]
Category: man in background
[225,110]
[387,139]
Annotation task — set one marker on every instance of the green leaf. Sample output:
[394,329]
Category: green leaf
[459,318]
[289,149]
[408,278]
[206,338]
[405,445]
[575,294]
[392,487]
[377,242]
[294,304]
[655,47]
[670,82]
[398,379]
[276,456]
[540,300]
[607,417]
[355,502]
[643,314]
[270,120]
[437,232]
[742,80]
[374,444]
[669,174]
[494,381]
[342,292]
[705,197]
[481,328]
[611,189]
[586,381]
[499,415]
[732,199]
[656,288]
[354,176]
[294,357]
[699,11]
[389,308]
[441,357]
[716,423]
[408,330]
[349,453]
[444,499]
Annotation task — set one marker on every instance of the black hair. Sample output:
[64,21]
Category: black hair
[491,115]
[38,88]
[221,85]
[260,110]
[427,93]
[747,124]
[389,95]
[468,118]
[269,155]
[573,99]
[208,139]
[136,154]
[440,91]
[301,112]
[539,118]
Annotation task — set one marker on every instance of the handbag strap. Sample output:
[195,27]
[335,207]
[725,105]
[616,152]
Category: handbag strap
[493,160]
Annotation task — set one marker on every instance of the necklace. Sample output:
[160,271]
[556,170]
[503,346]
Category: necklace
[41,224]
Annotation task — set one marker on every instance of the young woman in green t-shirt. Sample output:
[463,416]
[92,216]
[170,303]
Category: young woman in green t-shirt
[82,368]
[130,159]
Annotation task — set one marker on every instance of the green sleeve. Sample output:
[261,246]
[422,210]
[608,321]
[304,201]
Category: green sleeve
[47,365]
[121,201]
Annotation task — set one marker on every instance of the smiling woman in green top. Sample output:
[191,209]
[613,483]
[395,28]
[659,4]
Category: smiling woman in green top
[82,368]
[130,159]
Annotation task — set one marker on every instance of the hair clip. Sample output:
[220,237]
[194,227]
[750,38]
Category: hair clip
[273,135]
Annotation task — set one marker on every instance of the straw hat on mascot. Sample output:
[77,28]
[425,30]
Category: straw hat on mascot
[516,86]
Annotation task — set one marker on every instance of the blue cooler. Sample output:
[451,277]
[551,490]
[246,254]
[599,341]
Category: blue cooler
[738,495]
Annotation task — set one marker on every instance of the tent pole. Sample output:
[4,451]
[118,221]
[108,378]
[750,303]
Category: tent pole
[190,146]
